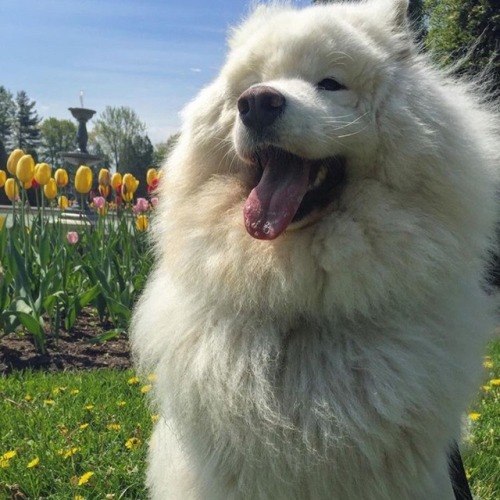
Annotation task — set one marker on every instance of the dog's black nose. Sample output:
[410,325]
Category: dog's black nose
[259,106]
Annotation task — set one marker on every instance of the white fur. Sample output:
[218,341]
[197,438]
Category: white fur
[336,360]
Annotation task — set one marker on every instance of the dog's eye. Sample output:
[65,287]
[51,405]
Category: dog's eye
[330,84]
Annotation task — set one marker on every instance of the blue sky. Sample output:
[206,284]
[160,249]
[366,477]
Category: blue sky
[150,55]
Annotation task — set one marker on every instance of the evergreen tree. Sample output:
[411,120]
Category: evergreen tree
[25,130]
[7,110]
[467,29]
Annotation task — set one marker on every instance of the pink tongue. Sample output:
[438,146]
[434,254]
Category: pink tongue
[273,203]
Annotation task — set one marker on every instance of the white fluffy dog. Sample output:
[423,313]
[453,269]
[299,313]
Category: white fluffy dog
[316,316]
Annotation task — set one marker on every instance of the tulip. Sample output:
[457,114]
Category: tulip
[13,159]
[99,202]
[11,189]
[43,171]
[3,177]
[62,202]
[83,179]
[129,183]
[104,177]
[141,223]
[127,197]
[29,184]
[141,205]
[61,177]
[116,180]
[50,189]
[151,176]
[25,169]
[72,237]
[104,190]
[154,201]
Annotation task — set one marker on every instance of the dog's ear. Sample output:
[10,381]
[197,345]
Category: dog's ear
[397,12]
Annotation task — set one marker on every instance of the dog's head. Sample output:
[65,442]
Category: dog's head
[329,138]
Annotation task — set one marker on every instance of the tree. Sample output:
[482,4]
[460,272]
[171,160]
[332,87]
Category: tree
[25,130]
[57,136]
[135,158]
[467,31]
[114,127]
[163,149]
[7,110]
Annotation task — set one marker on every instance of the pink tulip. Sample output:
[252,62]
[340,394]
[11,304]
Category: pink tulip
[141,205]
[99,202]
[72,237]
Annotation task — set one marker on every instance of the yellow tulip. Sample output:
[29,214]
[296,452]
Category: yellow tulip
[28,184]
[13,159]
[83,179]
[129,184]
[127,196]
[43,171]
[50,189]
[151,176]
[3,177]
[104,177]
[61,177]
[116,180]
[11,189]
[141,223]
[25,169]
[62,202]
[104,190]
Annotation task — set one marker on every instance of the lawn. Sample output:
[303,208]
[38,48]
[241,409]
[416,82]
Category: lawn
[82,435]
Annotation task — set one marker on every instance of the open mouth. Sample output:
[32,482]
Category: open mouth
[289,189]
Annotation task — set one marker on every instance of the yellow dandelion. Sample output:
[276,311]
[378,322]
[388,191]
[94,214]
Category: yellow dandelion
[488,364]
[155,418]
[146,388]
[63,430]
[486,387]
[133,443]
[48,402]
[88,407]
[74,392]
[72,451]
[133,380]
[28,397]
[83,426]
[152,377]
[9,454]
[474,415]
[468,475]
[78,497]
[495,381]
[114,427]
[33,463]
[4,463]
[121,403]
[58,390]
[84,479]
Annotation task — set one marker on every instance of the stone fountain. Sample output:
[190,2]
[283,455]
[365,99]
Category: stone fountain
[81,156]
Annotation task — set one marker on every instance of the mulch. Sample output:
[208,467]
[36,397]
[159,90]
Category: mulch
[73,350]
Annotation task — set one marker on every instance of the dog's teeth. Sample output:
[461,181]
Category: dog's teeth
[320,177]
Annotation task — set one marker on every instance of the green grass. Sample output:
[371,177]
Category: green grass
[482,459]
[45,416]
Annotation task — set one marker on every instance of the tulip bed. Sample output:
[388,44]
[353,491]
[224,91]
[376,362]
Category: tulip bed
[54,266]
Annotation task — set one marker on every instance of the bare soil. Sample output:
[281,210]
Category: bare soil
[73,350]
